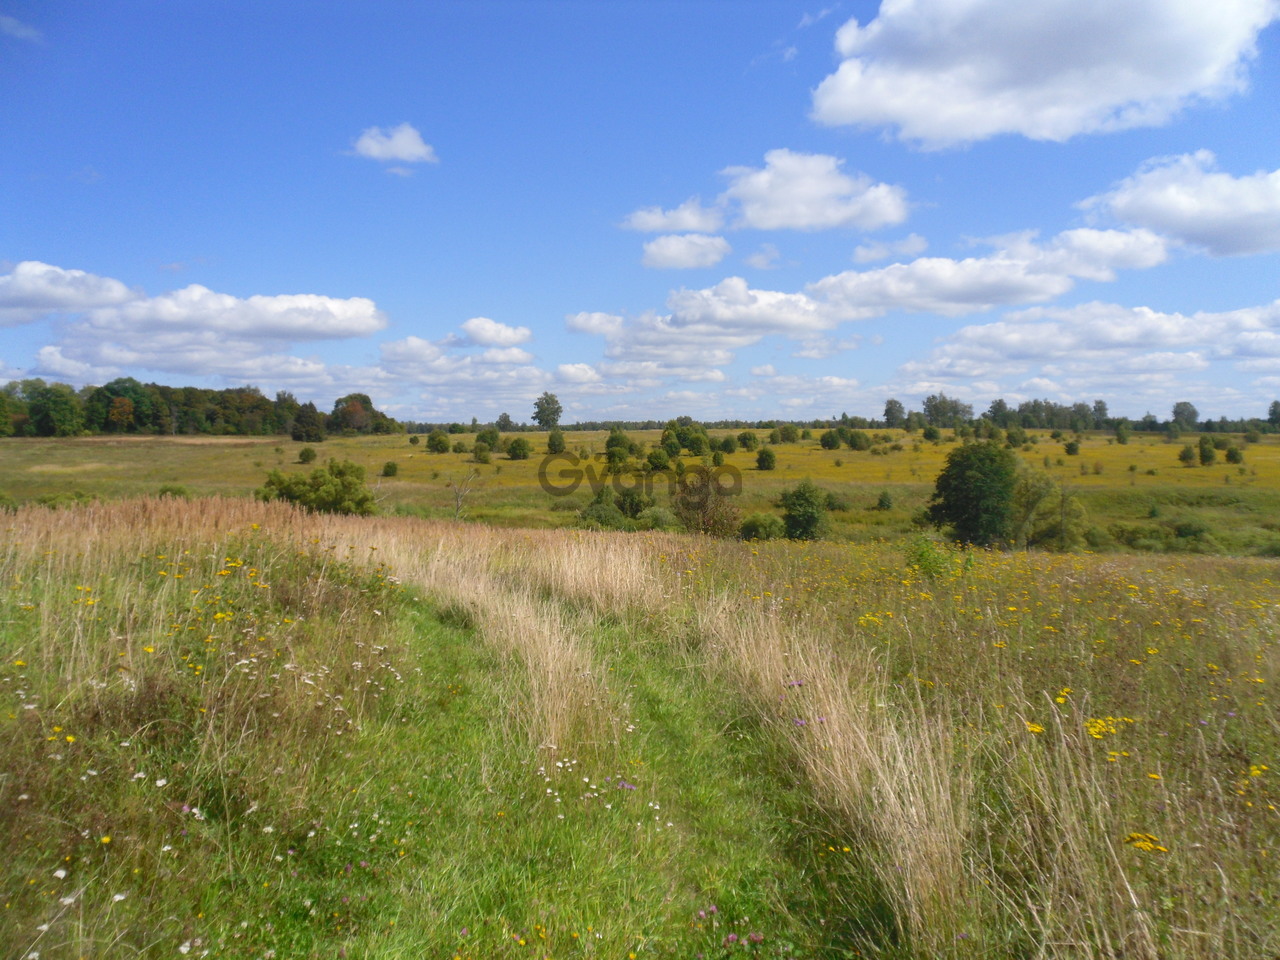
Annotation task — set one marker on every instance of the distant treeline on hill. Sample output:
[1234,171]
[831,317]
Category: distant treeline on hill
[940,411]
[34,408]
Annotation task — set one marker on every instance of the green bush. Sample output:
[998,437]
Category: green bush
[480,452]
[929,558]
[555,441]
[603,514]
[838,502]
[859,440]
[390,468]
[830,440]
[632,502]
[762,526]
[657,518]
[766,459]
[748,441]
[885,502]
[175,490]
[307,455]
[804,510]
[415,440]
[338,488]
[519,449]
[1207,452]
[438,442]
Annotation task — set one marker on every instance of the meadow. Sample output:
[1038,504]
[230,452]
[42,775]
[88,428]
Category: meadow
[1137,495]
[233,729]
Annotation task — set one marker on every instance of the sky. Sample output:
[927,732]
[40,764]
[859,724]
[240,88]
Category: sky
[748,209]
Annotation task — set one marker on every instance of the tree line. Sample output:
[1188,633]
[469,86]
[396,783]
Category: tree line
[35,408]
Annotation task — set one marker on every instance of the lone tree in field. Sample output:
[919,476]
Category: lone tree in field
[974,493]
[546,411]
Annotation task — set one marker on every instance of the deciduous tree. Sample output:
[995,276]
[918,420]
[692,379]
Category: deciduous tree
[974,494]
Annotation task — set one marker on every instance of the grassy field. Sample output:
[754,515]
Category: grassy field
[231,729]
[1138,495]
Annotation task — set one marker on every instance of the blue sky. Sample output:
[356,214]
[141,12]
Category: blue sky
[723,209]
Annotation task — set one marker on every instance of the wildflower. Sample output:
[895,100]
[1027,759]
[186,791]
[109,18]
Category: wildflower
[1145,842]
[1033,727]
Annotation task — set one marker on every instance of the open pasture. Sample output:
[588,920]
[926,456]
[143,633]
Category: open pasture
[1137,491]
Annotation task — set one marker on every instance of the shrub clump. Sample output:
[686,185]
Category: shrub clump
[762,526]
[337,488]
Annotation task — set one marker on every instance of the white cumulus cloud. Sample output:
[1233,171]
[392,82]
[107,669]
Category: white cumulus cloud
[491,333]
[33,289]
[690,216]
[1186,198]
[1019,271]
[197,309]
[595,322]
[910,246]
[808,191]
[403,144]
[954,71]
[685,251]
